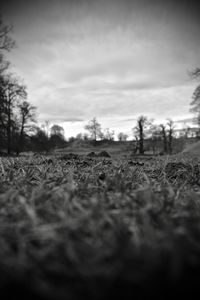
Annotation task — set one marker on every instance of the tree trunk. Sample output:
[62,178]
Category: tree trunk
[141,141]
[170,143]
[9,134]
[164,140]
[21,140]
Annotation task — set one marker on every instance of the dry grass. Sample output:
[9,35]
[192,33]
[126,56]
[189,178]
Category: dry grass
[99,228]
[116,149]
[193,149]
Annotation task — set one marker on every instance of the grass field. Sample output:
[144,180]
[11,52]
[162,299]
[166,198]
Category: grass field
[75,226]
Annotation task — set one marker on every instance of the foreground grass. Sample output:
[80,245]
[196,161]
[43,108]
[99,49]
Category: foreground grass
[74,227]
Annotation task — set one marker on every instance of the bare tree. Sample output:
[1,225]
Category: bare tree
[40,140]
[27,114]
[195,73]
[195,104]
[101,135]
[155,135]
[164,137]
[139,131]
[109,134]
[94,129]
[12,93]
[171,126]
[122,137]
[79,136]
[6,44]
[136,145]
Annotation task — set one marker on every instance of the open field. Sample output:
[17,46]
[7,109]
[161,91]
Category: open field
[115,149]
[75,226]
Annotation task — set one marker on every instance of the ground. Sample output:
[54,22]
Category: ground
[78,225]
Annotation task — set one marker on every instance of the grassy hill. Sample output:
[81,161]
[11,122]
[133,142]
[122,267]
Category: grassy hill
[113,148]
[193,149]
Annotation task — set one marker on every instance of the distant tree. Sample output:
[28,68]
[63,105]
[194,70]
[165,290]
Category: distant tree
[57,138]
[26,117]
[82,137]
[136,144]
[79,137]
[170,130]
[122,137]
[40,140]
[139,131]
[71,139]
[155,136]
[57,130]
[164,137]
[94,129]
[109,134]
[195,104]
[101,135]
[85,137]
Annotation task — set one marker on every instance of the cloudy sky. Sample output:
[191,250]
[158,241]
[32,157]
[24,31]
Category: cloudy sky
[111,59]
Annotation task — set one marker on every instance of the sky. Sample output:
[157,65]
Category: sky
[110,59]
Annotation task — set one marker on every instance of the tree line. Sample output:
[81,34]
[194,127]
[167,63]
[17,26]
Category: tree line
[18,127]
[145,129]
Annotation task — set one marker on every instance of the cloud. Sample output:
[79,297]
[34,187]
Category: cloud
[83,104]
[58,118]
[110,59]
